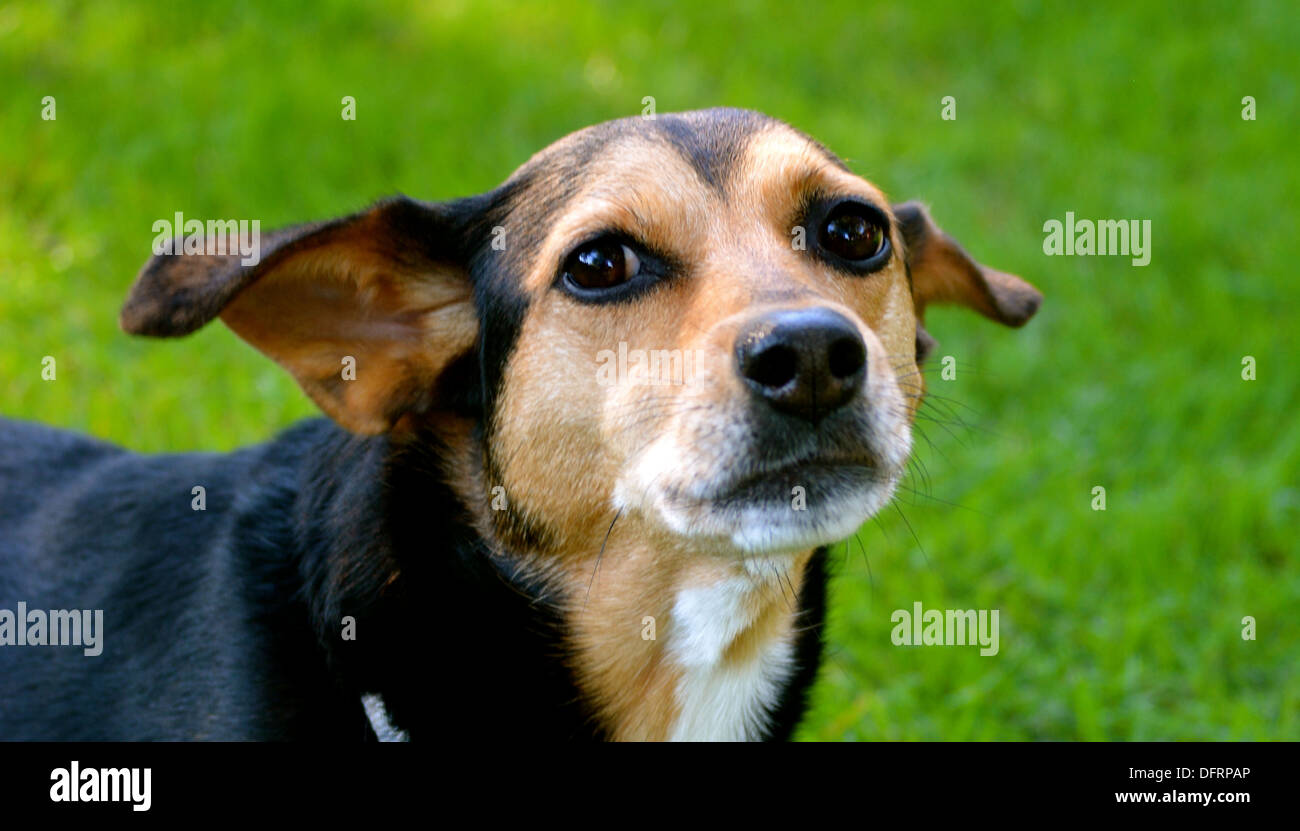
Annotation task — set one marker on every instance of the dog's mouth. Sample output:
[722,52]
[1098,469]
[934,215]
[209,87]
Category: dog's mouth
[787,482]
[785,506]
[758,487]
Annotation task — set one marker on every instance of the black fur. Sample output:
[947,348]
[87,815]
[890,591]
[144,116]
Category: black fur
[226,623]
[714,145]
[811,624]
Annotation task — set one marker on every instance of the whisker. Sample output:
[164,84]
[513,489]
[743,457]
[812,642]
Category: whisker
[600,557]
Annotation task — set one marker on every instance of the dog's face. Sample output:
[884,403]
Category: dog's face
[720,331]
[702,321]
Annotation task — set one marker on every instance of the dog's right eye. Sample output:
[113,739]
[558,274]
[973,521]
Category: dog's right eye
[601,264]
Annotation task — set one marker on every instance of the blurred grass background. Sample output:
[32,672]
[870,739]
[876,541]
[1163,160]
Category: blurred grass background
[1122,624]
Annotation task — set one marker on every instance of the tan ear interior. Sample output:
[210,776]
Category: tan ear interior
[366,336]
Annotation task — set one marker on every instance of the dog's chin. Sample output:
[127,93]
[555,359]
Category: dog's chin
[785,512]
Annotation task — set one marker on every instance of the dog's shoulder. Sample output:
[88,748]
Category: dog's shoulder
[32,449]
[192,560]
[37,464]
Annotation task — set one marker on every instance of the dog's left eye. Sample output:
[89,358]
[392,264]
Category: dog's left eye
[601,264]
[854,233]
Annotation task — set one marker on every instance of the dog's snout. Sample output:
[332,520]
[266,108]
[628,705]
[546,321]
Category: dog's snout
[803,362]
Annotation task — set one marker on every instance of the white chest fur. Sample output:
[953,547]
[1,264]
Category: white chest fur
[717,699]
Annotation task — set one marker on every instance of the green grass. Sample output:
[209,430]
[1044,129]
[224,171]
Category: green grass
[1122,624]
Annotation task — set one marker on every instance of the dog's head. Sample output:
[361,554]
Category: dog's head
[704,321]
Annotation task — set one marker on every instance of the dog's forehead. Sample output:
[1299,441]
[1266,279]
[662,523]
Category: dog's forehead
[712,142]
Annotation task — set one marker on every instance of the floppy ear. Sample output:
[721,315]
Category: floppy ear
[386,288]
[942,272]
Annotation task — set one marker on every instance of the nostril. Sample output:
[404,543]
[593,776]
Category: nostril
[773,367]
[847,357]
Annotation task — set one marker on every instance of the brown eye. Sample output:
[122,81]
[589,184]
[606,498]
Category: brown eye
[852,233]
[601,264]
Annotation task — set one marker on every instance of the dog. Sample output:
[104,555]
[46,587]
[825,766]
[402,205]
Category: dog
[511,526]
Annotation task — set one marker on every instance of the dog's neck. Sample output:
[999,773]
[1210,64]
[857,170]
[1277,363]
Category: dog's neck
[638,637]
[684,647]
[665,639]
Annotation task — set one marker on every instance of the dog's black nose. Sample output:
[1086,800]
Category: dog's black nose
[804,362]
